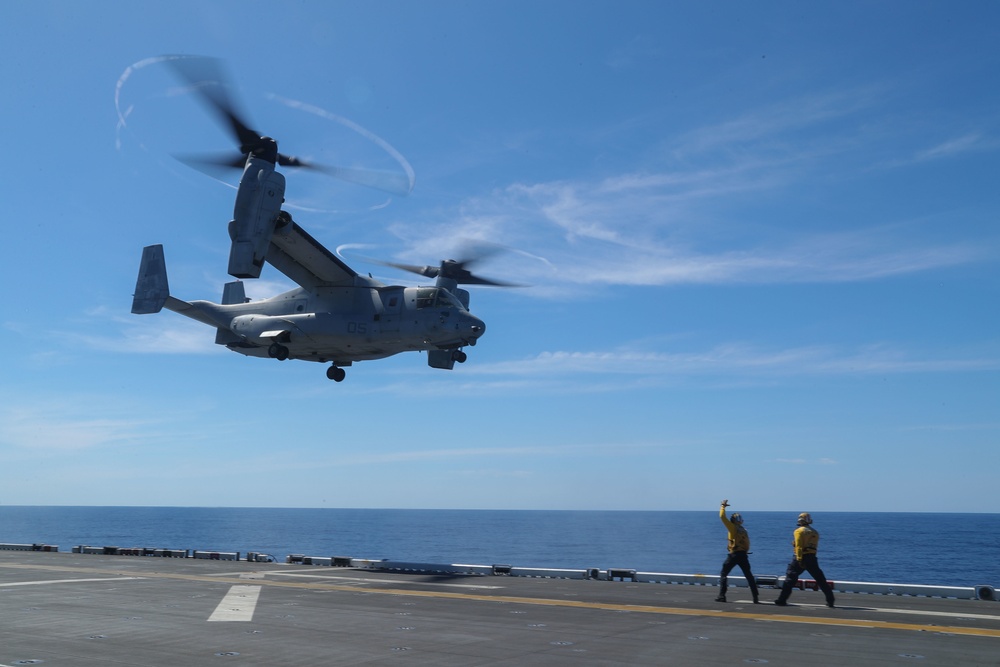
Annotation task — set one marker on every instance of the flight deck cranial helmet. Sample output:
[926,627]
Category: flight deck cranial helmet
[805,519]
[736,517]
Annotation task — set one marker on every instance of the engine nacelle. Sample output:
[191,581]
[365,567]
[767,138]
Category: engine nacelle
[258,202]
[462,295]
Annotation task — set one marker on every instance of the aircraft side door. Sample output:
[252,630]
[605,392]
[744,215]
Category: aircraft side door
[392,305]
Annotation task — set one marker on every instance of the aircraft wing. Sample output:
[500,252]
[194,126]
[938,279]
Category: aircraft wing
[305,260]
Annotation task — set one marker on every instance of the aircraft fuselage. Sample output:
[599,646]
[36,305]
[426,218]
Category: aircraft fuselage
[344,324]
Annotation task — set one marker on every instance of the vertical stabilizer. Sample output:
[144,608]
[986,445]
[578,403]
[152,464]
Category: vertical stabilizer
[233,293]
[151,288]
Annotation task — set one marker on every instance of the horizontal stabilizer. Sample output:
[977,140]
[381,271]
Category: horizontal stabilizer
[151,288]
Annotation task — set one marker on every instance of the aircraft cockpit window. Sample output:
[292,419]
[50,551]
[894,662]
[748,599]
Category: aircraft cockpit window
[432,297]
[426,296]
[447,299]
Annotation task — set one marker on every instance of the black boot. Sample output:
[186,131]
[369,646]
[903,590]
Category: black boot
[786,592]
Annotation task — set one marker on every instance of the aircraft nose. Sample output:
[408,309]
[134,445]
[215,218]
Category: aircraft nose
[477,327]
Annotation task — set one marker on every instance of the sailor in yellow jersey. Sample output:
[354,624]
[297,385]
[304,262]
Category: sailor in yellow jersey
[739,548]
[806,542]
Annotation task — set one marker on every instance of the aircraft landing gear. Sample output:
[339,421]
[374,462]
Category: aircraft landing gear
[277,351]
[336,373]
[459,356]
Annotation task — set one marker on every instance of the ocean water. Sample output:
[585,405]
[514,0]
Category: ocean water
[916,548]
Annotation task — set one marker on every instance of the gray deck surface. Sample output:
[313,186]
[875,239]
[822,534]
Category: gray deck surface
[93,611]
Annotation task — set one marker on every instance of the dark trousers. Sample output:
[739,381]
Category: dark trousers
[809,564]
[732,560]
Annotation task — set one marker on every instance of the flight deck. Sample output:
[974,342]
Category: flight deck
[89,610]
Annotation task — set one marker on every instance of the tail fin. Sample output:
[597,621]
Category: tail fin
[233,293]
[151,288]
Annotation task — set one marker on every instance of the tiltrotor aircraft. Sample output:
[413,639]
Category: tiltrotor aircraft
[335,316]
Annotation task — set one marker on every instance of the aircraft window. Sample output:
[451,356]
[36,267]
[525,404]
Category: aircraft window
[446,298]
[426,296]
[432,297]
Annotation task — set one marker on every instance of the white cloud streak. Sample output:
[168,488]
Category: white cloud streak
[166,334]
[671,221]
[49,427]
[620,232]
[733,360]
[954,147]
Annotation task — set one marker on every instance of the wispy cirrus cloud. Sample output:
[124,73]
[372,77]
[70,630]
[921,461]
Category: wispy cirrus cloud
[169,334]
[55,427]
[623,231]
[734,359]
[975,142]
[953,148]
[678,217]
[628,368]
[771,129]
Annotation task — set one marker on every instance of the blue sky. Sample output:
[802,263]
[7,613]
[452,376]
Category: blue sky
[762,239]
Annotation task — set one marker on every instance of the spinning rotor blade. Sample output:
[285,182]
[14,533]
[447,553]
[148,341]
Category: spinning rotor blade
[205,162]
[396,184]
[449,269]
[386,181]
[428,271]
[238,161]
[207,76]
[456,270]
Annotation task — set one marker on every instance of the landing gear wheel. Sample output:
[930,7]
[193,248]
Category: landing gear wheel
[459,356]
[277,351]
[336,373]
